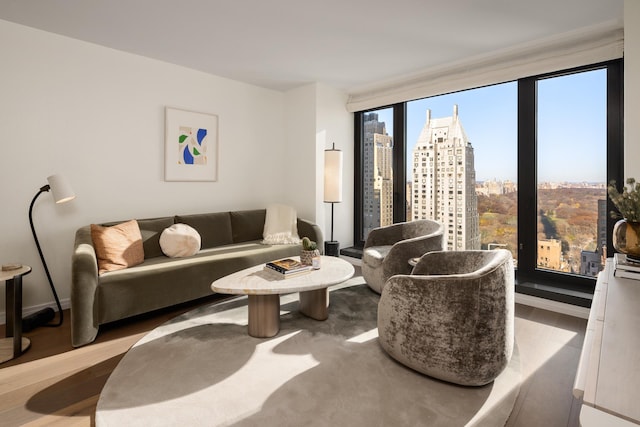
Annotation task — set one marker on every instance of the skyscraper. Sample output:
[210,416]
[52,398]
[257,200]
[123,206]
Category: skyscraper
[377,173]
[444,181]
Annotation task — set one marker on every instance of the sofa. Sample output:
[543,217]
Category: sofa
[230,241]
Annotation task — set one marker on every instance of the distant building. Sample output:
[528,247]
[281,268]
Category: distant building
[509,187]
[377,171]
[444,181]
[602,229]
[590,263]
[496,188]
[383,177]
[550,254]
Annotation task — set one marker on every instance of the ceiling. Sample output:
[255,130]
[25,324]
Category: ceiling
[281,44]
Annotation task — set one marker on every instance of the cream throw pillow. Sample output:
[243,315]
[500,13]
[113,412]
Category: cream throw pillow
[117,247]
[280,226]
[180,240]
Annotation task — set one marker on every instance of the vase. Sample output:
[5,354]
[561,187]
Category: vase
[306,257]
[626,238]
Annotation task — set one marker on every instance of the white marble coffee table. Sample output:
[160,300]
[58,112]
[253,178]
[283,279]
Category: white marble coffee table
[264,288]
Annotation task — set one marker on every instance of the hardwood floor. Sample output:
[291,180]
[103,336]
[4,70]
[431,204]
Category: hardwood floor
[54,384]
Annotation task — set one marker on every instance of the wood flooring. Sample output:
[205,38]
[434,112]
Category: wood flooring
[53,384]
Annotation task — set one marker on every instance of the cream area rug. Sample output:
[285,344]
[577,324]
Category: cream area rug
[202,369]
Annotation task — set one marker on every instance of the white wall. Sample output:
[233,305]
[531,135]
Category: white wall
[96,115]
[318,109]
[335,125]
[299,157]
[632,88]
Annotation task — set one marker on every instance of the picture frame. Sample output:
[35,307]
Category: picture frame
[191,146]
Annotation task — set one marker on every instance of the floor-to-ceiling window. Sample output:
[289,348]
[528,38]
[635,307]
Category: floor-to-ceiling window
[521,165]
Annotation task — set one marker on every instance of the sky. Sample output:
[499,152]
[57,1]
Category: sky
[571,127]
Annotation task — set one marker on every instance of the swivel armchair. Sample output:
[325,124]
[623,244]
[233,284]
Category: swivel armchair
[452,318]
[388,250]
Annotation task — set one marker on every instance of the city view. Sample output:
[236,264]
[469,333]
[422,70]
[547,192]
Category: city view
[461,162]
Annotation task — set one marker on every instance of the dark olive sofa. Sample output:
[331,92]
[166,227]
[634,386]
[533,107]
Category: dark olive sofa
[231,241]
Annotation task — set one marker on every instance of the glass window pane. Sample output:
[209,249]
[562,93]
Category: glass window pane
[571,171]
[377,170]
[462,165]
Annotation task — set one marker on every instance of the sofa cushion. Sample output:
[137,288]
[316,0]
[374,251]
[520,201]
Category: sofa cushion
[117,247]
[180,240]
[247,225]
[214,228]
[150,229]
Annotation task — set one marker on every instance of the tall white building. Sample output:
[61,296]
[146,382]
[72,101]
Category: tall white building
[444,181]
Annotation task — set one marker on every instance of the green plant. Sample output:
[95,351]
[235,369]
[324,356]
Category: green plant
[627,202]
[308,244]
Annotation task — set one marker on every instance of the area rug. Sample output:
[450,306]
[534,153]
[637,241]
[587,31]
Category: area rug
[202,369]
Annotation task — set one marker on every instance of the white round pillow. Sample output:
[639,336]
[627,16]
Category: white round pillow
[179,240]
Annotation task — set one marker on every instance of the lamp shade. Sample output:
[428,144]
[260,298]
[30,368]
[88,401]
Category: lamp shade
[332,176]
[60,188]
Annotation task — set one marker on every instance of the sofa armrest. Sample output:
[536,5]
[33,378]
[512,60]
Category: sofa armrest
[84,289]
[312,231]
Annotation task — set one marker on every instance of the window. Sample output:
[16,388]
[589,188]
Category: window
[572,124]
[495,149]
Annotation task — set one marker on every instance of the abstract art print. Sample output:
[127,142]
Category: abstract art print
[191,146]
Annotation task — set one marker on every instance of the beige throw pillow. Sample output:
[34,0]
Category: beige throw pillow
[117,247]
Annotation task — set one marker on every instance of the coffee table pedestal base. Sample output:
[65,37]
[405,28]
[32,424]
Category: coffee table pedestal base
[264,315]
[315,304]
[264,311]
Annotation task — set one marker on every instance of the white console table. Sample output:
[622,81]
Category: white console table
[608,376]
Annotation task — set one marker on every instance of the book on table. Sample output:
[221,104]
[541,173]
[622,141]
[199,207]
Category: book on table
[625,268]
[288,266]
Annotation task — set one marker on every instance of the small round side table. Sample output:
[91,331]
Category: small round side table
[14,344]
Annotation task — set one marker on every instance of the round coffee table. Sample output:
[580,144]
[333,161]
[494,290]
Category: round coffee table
[263,289]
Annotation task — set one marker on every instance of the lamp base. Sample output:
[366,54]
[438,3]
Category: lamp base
[39,318]
[332,248]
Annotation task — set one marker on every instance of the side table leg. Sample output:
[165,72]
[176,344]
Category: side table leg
[14,344]
[17,313]
[14,318]
[264,315]
[315,304]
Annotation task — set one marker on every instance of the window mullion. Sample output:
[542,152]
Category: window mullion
[527,215]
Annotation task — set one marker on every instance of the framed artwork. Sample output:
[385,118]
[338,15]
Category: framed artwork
[191,146]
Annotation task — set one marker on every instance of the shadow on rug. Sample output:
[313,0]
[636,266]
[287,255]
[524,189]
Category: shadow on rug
[203,369]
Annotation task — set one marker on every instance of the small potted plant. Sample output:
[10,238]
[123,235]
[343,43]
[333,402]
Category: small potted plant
[626,232]
[310,254]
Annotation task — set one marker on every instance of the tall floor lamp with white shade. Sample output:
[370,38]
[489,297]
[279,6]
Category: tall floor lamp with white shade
[62,192]
[332,191]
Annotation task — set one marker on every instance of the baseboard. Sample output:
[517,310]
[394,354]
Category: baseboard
[65,303]
[352,260]
[551,305]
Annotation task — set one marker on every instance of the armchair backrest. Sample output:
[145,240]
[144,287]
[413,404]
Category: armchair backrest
[390,234]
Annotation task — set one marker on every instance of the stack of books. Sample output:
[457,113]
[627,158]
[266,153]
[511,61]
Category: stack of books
[287,267]
[625,268]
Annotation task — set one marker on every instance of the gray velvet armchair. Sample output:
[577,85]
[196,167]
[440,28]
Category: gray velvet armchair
[387,250]
[452,318]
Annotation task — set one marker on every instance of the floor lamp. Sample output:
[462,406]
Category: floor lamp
[332,191]
[62,193]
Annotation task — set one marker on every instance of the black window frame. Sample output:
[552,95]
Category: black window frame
[527,271]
